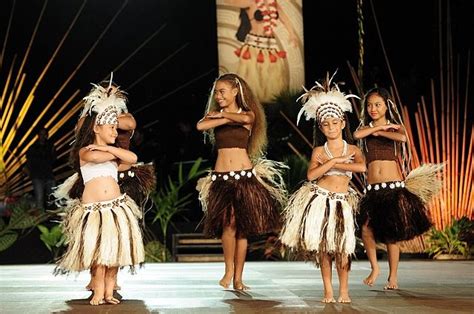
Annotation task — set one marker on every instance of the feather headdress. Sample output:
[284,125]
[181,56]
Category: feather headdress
[325,100]
[108,102]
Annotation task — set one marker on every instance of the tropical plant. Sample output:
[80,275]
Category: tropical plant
[296,173]
[169,200]
[24,217]
[452,239]
[156,252]
[53,238]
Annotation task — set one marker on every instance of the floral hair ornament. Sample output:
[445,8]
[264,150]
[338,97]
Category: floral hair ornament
[324,101]
[108,102]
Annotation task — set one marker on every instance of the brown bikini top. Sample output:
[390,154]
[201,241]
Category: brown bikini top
[231,136]
[379,148]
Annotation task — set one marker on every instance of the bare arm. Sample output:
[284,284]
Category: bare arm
[245,118]
[317,167]
[392,131]
[357,166]
[126,122]
[207,123]
[102,153]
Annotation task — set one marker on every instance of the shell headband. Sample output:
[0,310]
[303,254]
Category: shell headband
[107,102]
[324,101]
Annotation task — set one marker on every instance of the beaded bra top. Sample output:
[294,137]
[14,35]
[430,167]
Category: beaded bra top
[337,172]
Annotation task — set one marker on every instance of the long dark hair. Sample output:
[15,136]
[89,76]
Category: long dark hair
[84,136]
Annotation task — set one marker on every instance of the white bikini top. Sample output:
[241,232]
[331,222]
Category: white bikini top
[337,172]
[104,169]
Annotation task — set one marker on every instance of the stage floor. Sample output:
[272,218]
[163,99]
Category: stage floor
[277,287]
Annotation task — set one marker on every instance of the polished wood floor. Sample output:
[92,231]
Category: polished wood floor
[277,287]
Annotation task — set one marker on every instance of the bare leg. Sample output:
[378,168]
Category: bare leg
[90,285]
[326,273]
[393,258]
[228,246]
[343,274]
[240,253]
[110,281]
[370,248]
[98,276]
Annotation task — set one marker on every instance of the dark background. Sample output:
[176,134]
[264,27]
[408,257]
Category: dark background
[169,78]
[169,98]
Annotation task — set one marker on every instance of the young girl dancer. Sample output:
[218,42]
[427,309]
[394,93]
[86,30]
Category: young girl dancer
[319,219]
[237,200]
[137,180]
[392,209]
[102,228]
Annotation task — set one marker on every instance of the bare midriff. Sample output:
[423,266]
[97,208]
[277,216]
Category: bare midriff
[337,184]
[100,189]
[379,171]
[232,159]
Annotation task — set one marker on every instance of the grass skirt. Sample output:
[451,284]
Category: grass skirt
[138,182]
[252,196]
[396,211]
[102,233]
[394,214]
[319,222]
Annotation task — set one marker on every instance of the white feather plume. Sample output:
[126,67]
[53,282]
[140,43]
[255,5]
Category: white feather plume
[322,94]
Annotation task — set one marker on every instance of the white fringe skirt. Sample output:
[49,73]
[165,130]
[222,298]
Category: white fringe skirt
[102,233]
[318,222]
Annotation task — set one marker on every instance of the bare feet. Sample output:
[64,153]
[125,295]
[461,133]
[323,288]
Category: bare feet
[392,284]
[344,299]
[97,298]
[370,280]
[238,285]
[112,300]
[225,281]
[328,300]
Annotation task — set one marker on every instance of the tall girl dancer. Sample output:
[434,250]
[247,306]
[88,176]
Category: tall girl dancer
[240,197]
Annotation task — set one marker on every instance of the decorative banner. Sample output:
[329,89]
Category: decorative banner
[262,41]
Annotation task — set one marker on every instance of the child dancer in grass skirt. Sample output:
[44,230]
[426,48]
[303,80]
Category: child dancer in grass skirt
[319,219]
[393,207]
[101,228]
[240,197]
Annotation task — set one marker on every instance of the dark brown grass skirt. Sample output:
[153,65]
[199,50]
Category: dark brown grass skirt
[393,214]
[246,199]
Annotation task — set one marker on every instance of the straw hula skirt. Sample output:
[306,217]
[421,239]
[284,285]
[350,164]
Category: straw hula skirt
[396,211]
[102,233]
[251,197]
[318,221]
